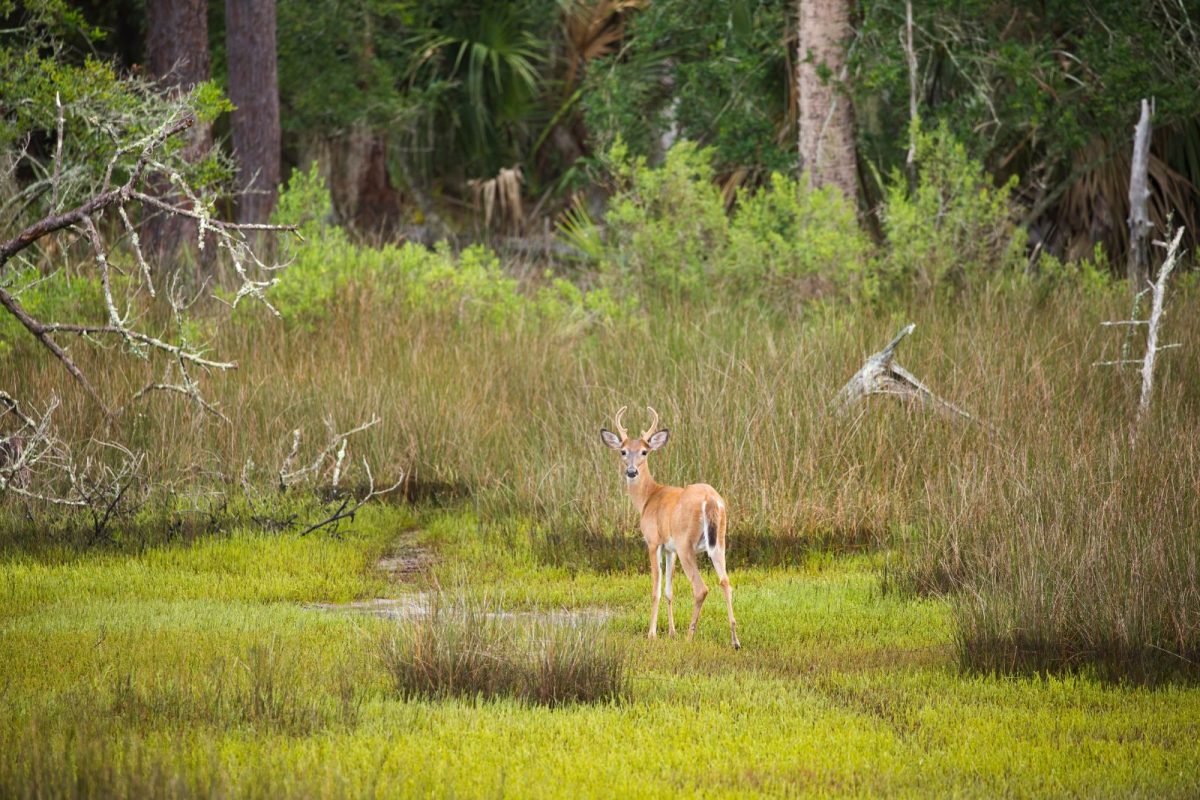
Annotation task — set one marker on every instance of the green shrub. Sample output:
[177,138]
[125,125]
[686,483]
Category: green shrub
[1092,276]
[788,237]
[669,233]
[668,228]
[954,229]
[468,286]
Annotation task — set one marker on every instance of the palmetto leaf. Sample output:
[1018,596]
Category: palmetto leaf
[593,30]
[1094,206]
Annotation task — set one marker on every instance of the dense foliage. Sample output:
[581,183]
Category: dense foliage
[49,77]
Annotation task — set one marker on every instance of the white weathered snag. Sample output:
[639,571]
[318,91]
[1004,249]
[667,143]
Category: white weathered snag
[1158,294]
[1139,194]
[675,521]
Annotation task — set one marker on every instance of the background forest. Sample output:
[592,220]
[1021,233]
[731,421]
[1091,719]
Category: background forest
[311,308]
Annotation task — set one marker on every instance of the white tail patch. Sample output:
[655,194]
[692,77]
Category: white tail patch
[662,563]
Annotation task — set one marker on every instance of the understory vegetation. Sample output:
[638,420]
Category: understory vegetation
[1063,540]
[924,600]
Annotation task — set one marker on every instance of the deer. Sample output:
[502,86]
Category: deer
[675,521]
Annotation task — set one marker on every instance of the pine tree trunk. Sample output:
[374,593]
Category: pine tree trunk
[176,57]
[826,115]
[254,90]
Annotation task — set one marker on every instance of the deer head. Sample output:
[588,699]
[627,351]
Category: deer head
[634,451]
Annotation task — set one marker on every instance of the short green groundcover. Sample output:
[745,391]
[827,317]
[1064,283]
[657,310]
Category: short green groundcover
[201,670]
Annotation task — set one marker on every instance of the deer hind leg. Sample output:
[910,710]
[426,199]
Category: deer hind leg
[717,554]
[670,572]
[656,555]
[687,560]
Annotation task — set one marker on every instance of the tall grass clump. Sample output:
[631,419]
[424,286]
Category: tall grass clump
[1066,541]
[463,647]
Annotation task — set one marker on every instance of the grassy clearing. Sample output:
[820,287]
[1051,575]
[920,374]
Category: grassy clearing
[1064,544]
[225,683]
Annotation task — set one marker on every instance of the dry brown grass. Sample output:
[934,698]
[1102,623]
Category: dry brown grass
[1064,542]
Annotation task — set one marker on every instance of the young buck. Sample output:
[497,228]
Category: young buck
[674,521]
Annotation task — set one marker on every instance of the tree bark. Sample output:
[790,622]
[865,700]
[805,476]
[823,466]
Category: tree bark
[826,116]
[177,57]
[254,90]
[355,168]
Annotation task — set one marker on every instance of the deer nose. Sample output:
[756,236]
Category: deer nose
[631,473]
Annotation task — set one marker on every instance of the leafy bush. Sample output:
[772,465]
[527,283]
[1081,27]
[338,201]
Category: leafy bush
[669,233]
[468,286]
[466,648]
[668,228]
[789,237]
[954,229]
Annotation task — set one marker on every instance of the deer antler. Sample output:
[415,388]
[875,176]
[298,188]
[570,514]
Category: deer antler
[617,423]
[650,431]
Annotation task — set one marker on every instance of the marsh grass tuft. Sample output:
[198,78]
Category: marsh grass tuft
[465,647]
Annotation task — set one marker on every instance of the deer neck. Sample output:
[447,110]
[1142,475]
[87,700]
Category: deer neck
[642,489]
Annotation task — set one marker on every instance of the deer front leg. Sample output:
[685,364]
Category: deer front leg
[655,589]
[687,560]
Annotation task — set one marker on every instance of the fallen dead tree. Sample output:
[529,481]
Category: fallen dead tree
[882,375]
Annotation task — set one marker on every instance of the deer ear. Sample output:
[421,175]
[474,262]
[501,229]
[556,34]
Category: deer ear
[659,440]
[610,439]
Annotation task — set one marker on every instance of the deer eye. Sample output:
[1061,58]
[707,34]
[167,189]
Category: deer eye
[644,452]
[624,452]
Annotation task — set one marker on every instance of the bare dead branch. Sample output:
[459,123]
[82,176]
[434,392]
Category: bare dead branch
[106,487]
[75,216]
[342,512]
[910,53]
[1139,193]
[58,148]
[233,226]
[42,334]
[338,439]
[1158,293]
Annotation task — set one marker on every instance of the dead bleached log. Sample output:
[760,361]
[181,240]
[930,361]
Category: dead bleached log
[1138,266]
[1158,294]
[882,375]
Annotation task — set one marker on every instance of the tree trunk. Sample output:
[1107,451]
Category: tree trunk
[176,57]
[355,168]
[254,90]
[825,114]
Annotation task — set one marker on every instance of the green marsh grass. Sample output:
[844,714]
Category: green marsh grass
[842,688]
[1064,544]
